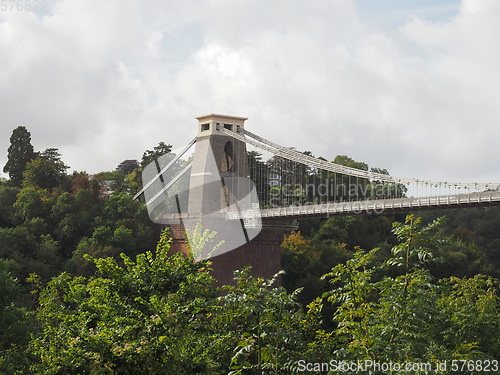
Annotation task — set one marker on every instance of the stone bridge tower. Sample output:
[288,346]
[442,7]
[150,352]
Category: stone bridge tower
[218,159]
[219,184]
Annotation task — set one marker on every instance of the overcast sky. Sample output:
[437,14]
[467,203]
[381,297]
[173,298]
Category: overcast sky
[408,85]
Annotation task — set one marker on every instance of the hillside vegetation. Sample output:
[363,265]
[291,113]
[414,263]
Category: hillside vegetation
[85,288]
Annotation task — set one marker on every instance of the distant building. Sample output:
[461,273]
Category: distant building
[274,180]
[106,187]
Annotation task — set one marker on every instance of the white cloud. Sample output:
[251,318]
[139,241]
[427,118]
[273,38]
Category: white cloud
[103,82]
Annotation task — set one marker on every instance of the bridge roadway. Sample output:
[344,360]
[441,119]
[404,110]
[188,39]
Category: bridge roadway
[377,207]
[380,206]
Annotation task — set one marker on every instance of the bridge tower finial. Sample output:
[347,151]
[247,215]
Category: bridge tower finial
[208,124]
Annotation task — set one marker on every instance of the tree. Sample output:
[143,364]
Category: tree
[128,166]
[161,315]
[263,325]
[469,324]
[408,315]
[119,184]
[149,316]
[304,263]
[362,231]
[14,333]
[8,196]
[157,151]
[347,187]
[31,203]
[134,181]
[384,190]
[46,171]
[80,181]
[20,153]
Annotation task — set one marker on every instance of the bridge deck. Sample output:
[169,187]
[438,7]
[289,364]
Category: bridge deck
[381,206]
[350,208]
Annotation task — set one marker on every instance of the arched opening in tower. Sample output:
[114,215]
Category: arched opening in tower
[227,163]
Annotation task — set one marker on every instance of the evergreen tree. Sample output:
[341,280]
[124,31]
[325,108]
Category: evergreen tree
[20,153]
[128,166]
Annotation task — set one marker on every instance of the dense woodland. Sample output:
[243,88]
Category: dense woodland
[85,288]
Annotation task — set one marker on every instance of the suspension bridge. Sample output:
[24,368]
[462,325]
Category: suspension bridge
[249,190]
[287,184]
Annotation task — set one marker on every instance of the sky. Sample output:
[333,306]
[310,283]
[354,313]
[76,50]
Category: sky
[412,86]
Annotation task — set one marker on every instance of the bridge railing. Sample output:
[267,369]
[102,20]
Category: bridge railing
[379,206]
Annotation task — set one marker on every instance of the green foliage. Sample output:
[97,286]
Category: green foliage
[16,242]
[263,324]
[73,217]
[409,316]
[102,236]
[123,239]
[79,263]
[134,181]
[119,210]
[456,258]
[8,196]
[352,295]
[332,229]
[354,231]
[14,333]
[413,249]
[145,317]
[469,321]
[479,228]
[419,296]
[161,315]
[34,215]
[349,162]
[37,227]
[304,263]
[118,184]
[201,242]
[31,203]
[26,253]
[47,171]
